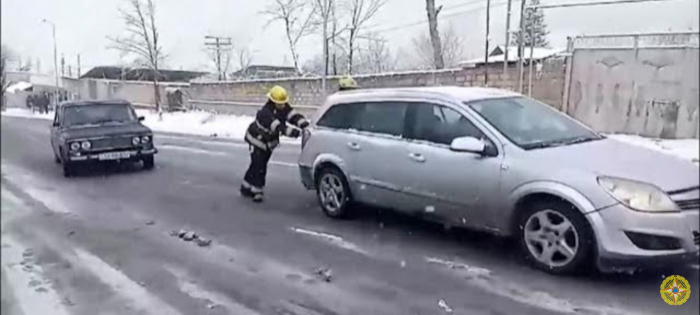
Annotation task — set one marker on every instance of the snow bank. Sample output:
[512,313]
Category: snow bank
[684,148]
[26,113]
[198,123]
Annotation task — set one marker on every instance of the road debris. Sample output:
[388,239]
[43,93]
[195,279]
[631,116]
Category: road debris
[202,242]
[191,236]
[443,305]
[150,222]
[326,274]
[71,233]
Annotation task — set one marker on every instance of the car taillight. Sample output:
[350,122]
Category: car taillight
[305,135]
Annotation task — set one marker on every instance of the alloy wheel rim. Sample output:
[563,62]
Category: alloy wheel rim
[332,193]
[551,238]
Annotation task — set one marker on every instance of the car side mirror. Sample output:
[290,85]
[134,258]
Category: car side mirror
[141,118]
[468,144]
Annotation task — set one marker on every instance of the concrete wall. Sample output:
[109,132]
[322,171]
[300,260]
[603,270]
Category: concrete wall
[245,97]
[650,90]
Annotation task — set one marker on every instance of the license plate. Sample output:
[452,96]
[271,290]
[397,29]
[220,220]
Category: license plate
[114,156]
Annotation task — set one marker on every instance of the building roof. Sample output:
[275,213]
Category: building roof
[497,55]
[142,74]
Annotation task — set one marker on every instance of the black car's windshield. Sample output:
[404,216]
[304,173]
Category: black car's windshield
[531,124]
[97,114]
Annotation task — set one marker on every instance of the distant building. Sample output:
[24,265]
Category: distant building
[497,55]
[136,74]
[265,72]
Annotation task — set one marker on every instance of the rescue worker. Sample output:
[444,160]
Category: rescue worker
[347,83]
[262,136]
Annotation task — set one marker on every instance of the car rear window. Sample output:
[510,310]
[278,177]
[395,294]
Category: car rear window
[376,117]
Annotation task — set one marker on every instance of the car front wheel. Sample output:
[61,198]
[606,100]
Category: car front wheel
[555,237]
[333,193]
[148,162]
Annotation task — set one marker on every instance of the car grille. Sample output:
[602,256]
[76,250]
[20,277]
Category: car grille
[112,143]
[690,204]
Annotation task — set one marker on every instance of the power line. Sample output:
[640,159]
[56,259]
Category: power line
[585,4]
[401,26]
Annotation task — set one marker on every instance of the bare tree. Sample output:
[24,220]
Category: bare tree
[360,12]
[141,39]
[296,15]
[452,48]
[375,57]
[438,58]
[243,56]
[7,55]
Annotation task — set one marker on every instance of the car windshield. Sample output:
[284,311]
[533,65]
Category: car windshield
[97,114]
[531,124]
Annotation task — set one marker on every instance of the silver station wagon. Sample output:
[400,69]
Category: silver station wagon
[497,161]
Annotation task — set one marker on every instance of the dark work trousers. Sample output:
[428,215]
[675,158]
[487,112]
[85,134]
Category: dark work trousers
[255,176]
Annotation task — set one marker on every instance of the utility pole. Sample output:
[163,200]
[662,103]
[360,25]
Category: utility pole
[488,24]
[326,7]
[505,52]
[218,44]
[63,66]
[55,54]
[521,38]
[79,73]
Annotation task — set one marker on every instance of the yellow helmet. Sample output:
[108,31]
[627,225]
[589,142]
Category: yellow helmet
[347,83]
[278,95]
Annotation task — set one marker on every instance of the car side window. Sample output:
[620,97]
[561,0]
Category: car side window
[383,118]
[341,116]
[440,124]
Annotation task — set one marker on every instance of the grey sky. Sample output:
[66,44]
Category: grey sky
[83,24]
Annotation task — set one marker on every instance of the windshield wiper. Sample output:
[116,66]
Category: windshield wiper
[581,140]
[561,142]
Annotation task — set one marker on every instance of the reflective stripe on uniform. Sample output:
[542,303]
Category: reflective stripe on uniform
[246,185]
[292,113]
[302,122]
[252,140]
[256,190]
[274,125]
[262,127]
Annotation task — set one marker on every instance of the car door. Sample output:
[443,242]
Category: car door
[55,132]
[456,186]
[376,136]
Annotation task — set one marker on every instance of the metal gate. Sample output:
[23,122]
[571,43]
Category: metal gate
[641,84]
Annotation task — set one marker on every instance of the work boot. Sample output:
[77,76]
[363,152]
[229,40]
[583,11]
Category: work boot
[245,192]
[258,198]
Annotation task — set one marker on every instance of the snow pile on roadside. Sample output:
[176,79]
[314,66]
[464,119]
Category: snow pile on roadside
[26,113]
[198,123]
[688,149]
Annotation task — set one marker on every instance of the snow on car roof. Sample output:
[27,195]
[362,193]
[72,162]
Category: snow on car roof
[462,94]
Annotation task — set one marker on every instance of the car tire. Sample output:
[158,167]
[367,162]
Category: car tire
[556,238]
[148,162]
[68,169]
[333,193]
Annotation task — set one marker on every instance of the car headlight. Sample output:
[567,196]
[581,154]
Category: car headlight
[136,141]
[638,195]
[75,146]
[86,145]
[145,139]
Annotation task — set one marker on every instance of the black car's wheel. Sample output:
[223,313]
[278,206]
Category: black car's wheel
[148,162]
[333,193]
[68,169]
[555,237]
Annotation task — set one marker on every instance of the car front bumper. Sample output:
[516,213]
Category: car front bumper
[116,155]
[616,249]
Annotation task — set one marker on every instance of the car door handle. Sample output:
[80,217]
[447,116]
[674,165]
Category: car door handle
[417,157]
[354,146]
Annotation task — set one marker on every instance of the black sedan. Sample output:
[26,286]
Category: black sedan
[98,131]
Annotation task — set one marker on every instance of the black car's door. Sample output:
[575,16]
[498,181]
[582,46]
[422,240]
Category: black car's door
[55,132]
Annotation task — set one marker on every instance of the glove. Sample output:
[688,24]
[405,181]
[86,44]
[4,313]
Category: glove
[304,125]
[294,133]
